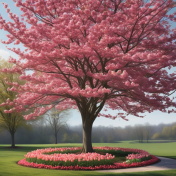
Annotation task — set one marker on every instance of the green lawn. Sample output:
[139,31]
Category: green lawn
[9,157]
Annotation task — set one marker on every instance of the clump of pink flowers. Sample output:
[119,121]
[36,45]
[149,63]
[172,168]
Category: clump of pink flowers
[137,156]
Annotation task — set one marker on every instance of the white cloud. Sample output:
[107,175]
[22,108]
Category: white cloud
[4,54]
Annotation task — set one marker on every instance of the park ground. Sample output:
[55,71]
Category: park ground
[9,157]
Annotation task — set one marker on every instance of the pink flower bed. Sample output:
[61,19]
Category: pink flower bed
[39,154]
[71,157]
[153,160]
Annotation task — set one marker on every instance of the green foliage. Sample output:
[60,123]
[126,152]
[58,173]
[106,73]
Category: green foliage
[76,137]
[137,160]
[157,136]
[167,133]
[9,121]
[174,131]
[66,138]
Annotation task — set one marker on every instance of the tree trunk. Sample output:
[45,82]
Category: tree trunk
[87,134]
[13,140]
[55,137]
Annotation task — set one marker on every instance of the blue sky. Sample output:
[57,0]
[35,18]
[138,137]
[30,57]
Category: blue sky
[75,118]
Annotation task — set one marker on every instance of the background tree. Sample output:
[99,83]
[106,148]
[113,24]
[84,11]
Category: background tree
[174,131]
[42,128]
[66,138]
[157,136]
[76,138]
[111,135]
[167,132]
[9,121]
[94,54]
[58,120]
[147,131]
[139,129]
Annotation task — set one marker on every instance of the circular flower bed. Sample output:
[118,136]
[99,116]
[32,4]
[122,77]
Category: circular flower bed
[72,159]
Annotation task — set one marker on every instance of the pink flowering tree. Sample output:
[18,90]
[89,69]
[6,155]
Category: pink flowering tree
[93,54]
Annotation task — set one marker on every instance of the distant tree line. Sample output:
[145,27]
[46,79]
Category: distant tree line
[168,132]
[42,132]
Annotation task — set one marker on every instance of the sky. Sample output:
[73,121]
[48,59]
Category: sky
[75,118]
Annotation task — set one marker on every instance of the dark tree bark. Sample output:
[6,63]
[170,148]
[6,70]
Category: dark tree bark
[89,111]
[87,140]
[12,140]
[55,137]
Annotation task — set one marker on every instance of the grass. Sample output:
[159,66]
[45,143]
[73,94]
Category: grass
[9,157]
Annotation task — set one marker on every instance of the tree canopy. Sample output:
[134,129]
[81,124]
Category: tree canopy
[9,121]
[90,54]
